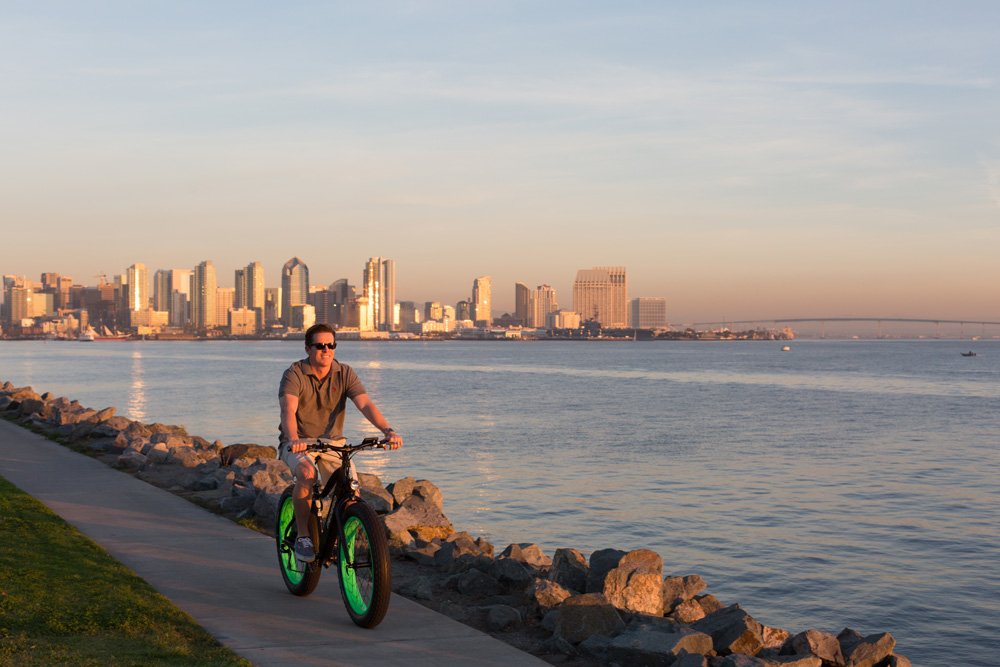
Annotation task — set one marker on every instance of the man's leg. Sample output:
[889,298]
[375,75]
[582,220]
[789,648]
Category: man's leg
[305,476]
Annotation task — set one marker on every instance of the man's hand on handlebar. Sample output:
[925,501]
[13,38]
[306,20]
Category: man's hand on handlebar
[393,440]
[296,446]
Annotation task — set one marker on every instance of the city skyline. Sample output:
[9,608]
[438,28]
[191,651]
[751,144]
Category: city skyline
[777,161]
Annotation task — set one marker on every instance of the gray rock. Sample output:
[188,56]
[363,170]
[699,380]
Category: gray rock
[419,516]
[429,492]
[232,453]
[420,588]
[130,460]
[896,660]
[422,553]
[157,453]
[171,440]
[646,645]
[183,456]
[688,611]
[500,617]
[556,645]
[709,603]
[738,660]
[455,546]
[582,616]
[602,561]
[595,646]
[104,415]
[821,644]
[550,619]
[732,631]
[511,574]
[548,594]
[680,589]
[401,489]
[870,651]
[528,554]
[265,507]
[375,494]
[569,569]
[685,659]
[475,583]
[636,584]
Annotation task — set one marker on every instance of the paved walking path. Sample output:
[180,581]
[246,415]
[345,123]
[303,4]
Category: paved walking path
[226,576]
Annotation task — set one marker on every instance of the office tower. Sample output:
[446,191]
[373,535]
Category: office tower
[272,305]
[544,301]
[341,295]
[249,285]
[379,280]
[203,290]
[448,313]
[409,314]
[162,289]
[524,305]
[17,297]
[364,314]
[137,295]
[321,299]
[648,312]
[224,299]
[242,322]
[601,294]
[433,311]
[463,310]
[482,301]
[294,288]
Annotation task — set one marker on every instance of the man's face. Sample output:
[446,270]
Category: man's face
[321,357]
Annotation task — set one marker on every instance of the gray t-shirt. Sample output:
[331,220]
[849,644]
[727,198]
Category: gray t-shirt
[321,402]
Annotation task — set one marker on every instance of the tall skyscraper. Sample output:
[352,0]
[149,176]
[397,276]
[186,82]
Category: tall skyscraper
[162,289]
[272,305]
[203,291]
[544,304]
[224,298]
[137,296]
[249,285]
[294,288]
[524,305]
[379,281]
[482,301]
[601,294]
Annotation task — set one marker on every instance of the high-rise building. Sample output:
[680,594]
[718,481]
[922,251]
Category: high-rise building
[648,312]
[433,311]
[17,297]
[224,299]
[272,305]
[137,295]
[294,288]
[482,301]
[162,289]
[601,294]
[524,305]
[249,285]
[203,292]
[379,280]
[171,292]
[463,310]
[544,302]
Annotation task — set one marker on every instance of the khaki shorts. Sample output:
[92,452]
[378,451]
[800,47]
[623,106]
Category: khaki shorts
[329,462]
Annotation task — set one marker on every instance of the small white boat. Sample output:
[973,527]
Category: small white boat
[786,348]
[86,336]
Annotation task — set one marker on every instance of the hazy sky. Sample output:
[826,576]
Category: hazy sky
[750,159]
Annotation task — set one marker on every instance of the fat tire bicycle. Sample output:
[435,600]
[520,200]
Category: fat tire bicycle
[346,533]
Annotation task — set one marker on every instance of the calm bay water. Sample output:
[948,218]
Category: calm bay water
[842,483]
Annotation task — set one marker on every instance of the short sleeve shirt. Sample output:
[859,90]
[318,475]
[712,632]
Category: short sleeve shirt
[321,402]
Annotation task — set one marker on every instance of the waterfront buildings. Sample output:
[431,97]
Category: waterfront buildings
[648,312]
[544,304]
[601,294]
[272,305]
[294,288]
[524,305]
[249,286]
[224,299]
[137,295]
[482,301]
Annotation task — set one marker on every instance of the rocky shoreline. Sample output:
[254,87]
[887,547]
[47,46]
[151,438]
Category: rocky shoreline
[614,608]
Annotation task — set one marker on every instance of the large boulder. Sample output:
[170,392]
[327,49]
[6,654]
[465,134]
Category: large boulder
[602,561]
[815,642]
[478,584]
[511,573]
[869,651]
[500,617]
[461,544]
[688,611]
[583,616]
[636,583]
[680,589]
[642,644]
[528,554]
[232,453]
[424,519]
[569,570]
[732,630]
[265,507]
[401,489]
[549,595]
[374,493]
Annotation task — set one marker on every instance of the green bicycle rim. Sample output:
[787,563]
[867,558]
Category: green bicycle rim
[354,529]
[294,572]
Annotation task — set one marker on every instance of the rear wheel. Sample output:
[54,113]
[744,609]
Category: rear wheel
[363,566]
[300,578]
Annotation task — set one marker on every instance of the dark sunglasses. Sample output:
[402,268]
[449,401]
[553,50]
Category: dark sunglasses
[324,346]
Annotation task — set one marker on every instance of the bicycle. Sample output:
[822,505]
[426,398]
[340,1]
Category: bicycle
[346,532]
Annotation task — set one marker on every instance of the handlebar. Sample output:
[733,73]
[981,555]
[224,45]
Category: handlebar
[328,445]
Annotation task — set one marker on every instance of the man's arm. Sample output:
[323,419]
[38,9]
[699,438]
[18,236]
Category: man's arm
[289,406]
[374,415]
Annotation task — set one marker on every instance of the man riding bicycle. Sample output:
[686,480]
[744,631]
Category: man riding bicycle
[313,396]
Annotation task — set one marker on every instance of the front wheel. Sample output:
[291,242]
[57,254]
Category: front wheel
[363,565]
[300,578]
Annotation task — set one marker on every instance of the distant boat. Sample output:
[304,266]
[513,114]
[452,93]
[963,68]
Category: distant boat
[970,353]
[786,348]
[86,337]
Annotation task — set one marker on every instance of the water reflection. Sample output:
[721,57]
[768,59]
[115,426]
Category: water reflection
[137,389]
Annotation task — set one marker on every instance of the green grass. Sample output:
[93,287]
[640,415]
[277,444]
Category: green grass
[65,601]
